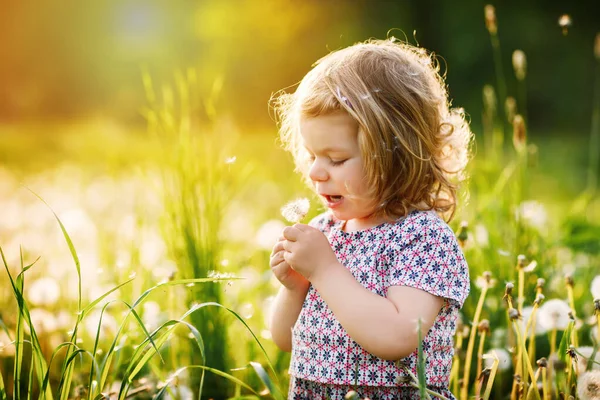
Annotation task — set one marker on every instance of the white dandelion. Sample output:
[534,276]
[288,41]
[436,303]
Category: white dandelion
[296,210]
[481,235]
[108,326]
[43,321]
[7,347]
[504,359]
[44,292]
[595,287]
[588,386]
[554,314]
[533,214]
[538,329]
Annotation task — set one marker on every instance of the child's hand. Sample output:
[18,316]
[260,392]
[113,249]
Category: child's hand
[282,270]
[307,250]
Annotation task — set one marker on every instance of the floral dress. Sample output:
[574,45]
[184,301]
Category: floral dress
[420,251]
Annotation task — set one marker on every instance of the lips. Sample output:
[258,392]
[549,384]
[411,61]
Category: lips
[333,200]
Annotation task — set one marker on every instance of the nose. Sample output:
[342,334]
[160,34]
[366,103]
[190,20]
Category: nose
[317,172]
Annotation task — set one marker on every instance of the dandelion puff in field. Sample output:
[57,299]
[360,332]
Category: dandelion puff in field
[539,329]
[44,292]
[7,348]
[533,214]
[588,386]
[595,287]
[504,359]
[554,314]
[295,210]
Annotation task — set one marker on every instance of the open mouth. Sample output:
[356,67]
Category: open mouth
[333,199]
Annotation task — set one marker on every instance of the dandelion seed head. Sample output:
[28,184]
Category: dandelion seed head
[484,326]
[569,279]
[595,287]
[554,314]
[565,21]
[588,386]
[296,210]
[541,282]
[538,329]
[504,359]
[519,61]
[513,314]
[542,362]
[44,292]
[490,19]
[534,214]
[230,160]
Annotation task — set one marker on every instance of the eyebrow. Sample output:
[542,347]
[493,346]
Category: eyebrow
[329,150]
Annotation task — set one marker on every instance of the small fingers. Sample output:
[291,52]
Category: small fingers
[287,245]
[278,247]
[291,233]
[276,259]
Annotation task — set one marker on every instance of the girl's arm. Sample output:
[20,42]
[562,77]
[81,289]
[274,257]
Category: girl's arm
[385,327]
[286,308]
[289,300]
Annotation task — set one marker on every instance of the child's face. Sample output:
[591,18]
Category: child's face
[336,168]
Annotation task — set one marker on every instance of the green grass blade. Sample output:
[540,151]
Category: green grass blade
[30,383]
[62,386]
[94,303]
[2,388]
[67,371]
[69,243]
[264,352]
[565,341]
[266,380]
[420,361]
[105,367]
[46,379]
[19,339]
[205,368]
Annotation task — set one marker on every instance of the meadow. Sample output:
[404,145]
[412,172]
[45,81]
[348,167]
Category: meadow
[135,258]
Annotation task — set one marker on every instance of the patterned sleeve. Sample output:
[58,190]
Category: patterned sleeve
[322,222]
[427,257]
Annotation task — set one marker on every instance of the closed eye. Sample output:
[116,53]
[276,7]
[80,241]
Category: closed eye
[338,162]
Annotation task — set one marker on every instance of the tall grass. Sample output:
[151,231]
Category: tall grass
[99,375]
[199,180]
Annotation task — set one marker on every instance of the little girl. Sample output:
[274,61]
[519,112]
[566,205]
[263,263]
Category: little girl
[370,128]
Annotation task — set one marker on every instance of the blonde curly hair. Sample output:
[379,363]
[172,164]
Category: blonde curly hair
[415,147]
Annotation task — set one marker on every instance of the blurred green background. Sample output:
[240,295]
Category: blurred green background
[74,59]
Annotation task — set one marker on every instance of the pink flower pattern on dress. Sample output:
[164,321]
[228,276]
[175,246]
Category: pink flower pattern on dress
[419,251]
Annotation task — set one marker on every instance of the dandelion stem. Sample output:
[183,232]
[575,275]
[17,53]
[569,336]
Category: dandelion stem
[525,360]
[572,305]
[464,390]
[480,352]
[545,387]
[553,341]
[490,382]
[521,297]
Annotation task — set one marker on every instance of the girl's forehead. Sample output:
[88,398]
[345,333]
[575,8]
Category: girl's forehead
[329,131]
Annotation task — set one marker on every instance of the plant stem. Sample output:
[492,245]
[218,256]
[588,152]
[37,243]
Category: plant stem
[464,390]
